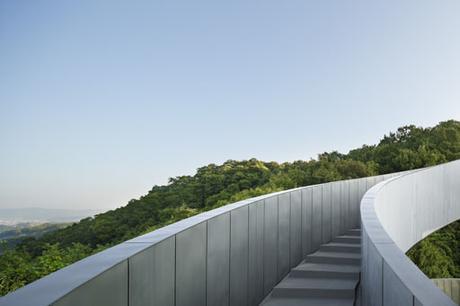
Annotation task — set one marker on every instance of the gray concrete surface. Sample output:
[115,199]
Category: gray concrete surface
[329,276]
[396,214]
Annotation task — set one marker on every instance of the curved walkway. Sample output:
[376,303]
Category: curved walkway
[237,254]
[233,255]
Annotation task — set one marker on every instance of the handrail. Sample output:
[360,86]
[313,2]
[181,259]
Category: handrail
[395,215]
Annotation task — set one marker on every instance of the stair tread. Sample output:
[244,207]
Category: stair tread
[311,266]
[343,244]
[335,254]
[339,243]
[349,236]
[317,283]
[355,231]
[348,239]
[308,301]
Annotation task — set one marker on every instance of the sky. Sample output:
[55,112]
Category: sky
[101,100]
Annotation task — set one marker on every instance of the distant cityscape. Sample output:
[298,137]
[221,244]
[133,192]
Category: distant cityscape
[37,215]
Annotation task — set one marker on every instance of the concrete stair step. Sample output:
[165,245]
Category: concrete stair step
[354,232]
[335,258]
[348,239]
[328,277]
[341,247]
[308,301]
[322,270]
[295,287]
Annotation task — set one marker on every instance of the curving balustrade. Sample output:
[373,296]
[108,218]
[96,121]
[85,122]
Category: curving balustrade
[395,215]
[233,255]
[236,254]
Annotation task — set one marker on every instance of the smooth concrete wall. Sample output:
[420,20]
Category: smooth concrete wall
[395,215]
[232,255]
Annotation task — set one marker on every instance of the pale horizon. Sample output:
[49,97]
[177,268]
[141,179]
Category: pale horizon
[101,101]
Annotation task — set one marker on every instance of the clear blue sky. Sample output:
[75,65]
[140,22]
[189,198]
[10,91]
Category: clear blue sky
[100,100]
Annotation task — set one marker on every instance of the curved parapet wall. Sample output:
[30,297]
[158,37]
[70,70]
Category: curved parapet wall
[233,255]
[395,215]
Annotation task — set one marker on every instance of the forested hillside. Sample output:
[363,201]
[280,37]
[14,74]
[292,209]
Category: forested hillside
[12,235]
[213,185]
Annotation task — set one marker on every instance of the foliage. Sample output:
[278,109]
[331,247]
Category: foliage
[438,254]
[18,268]
[216,185]
[14,234]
